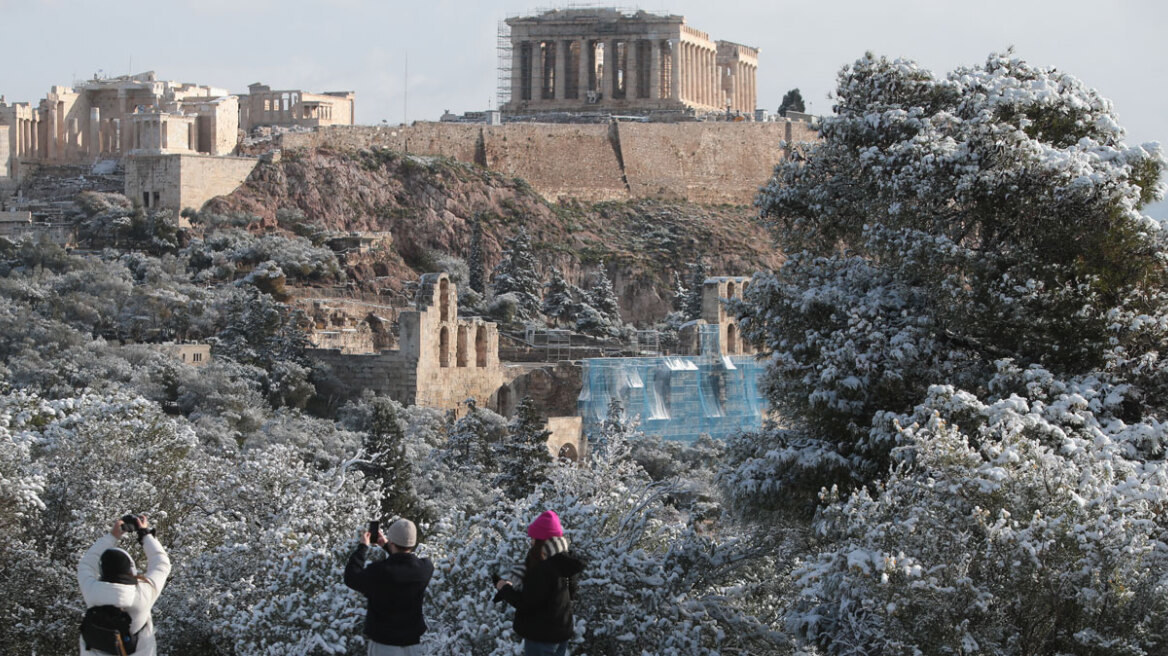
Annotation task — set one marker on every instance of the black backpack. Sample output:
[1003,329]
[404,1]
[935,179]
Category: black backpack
[107,629]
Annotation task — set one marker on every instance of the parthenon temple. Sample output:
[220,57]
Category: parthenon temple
[572,60]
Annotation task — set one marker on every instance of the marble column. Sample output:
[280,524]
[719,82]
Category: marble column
[93,148]
[54,134]
[631,72]
[561,50]
[655,69]
[674,70]
[610,68]
[583,87]
[687,71]
[535,69]
[517,72]
[751,95]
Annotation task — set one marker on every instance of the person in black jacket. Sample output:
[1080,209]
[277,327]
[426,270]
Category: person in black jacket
[394,587]
[542,589]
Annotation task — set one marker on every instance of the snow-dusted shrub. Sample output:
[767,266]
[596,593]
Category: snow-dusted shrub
[266,576]
[1024,525]
[222,254]
[83,461]
[939,224]
[653,583]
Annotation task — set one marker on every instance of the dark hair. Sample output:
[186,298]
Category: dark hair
[116,567]
[403,549]
[535,554]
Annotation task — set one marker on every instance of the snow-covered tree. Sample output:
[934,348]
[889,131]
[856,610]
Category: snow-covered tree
[697,274]
[940,224]
[389,463]
[516,275]
[1027,525]
[602,296]
[560,299]
[653,583]
[474,260]
[523,454]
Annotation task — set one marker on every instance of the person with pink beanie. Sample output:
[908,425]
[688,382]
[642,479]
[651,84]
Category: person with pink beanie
[542,589]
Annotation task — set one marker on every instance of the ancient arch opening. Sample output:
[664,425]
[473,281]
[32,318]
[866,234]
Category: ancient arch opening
[444,347]
[444,300]
[481,346]
[568,452]
[732,339]
[503,400]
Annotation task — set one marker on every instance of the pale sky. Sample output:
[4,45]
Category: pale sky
[1118,47]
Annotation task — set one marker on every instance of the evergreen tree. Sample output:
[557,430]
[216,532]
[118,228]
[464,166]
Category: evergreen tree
[474,260]
[697,278]
[602,296]
[680,298]
[516,274]
[561,299]
[792,101]
[385,442]
[471,442]
[523,456]
[938,228]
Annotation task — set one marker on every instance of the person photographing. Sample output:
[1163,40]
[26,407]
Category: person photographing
[394,588]
[118,600]
[542,589]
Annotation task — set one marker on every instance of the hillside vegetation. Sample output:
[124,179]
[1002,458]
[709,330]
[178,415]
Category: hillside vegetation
[428,202]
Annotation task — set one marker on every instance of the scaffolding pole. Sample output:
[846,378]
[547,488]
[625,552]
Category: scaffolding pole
[503,52]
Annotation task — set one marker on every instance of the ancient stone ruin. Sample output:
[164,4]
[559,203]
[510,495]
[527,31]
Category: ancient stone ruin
[607,60]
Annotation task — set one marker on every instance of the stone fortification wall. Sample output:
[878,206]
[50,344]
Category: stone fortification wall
[703,162]
[388,373]
[559,160]
[460,141]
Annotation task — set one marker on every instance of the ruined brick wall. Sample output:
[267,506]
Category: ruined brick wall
[704,162]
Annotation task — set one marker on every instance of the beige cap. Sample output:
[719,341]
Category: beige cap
[403,533]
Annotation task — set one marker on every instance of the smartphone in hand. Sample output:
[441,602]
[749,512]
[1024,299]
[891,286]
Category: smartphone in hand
[374,531]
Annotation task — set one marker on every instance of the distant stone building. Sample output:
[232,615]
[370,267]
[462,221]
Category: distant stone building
[716,328]
[441,360]
[96,120]
[263,107]
[571,60]
[191,353]
[15,224]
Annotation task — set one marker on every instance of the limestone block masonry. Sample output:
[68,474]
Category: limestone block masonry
[702,162]
[181,181]
[441,361]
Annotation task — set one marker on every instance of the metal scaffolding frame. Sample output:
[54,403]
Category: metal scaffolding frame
[677,397]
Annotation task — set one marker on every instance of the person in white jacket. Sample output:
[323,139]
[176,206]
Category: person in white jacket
[108,577]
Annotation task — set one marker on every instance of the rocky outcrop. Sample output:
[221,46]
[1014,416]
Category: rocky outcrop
[426,203]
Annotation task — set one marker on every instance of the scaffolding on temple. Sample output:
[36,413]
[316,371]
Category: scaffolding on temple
[677,397]
[504,63]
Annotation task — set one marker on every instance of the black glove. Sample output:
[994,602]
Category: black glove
[143,532]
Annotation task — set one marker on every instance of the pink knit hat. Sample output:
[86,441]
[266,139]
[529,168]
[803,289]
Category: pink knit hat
[546,526]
